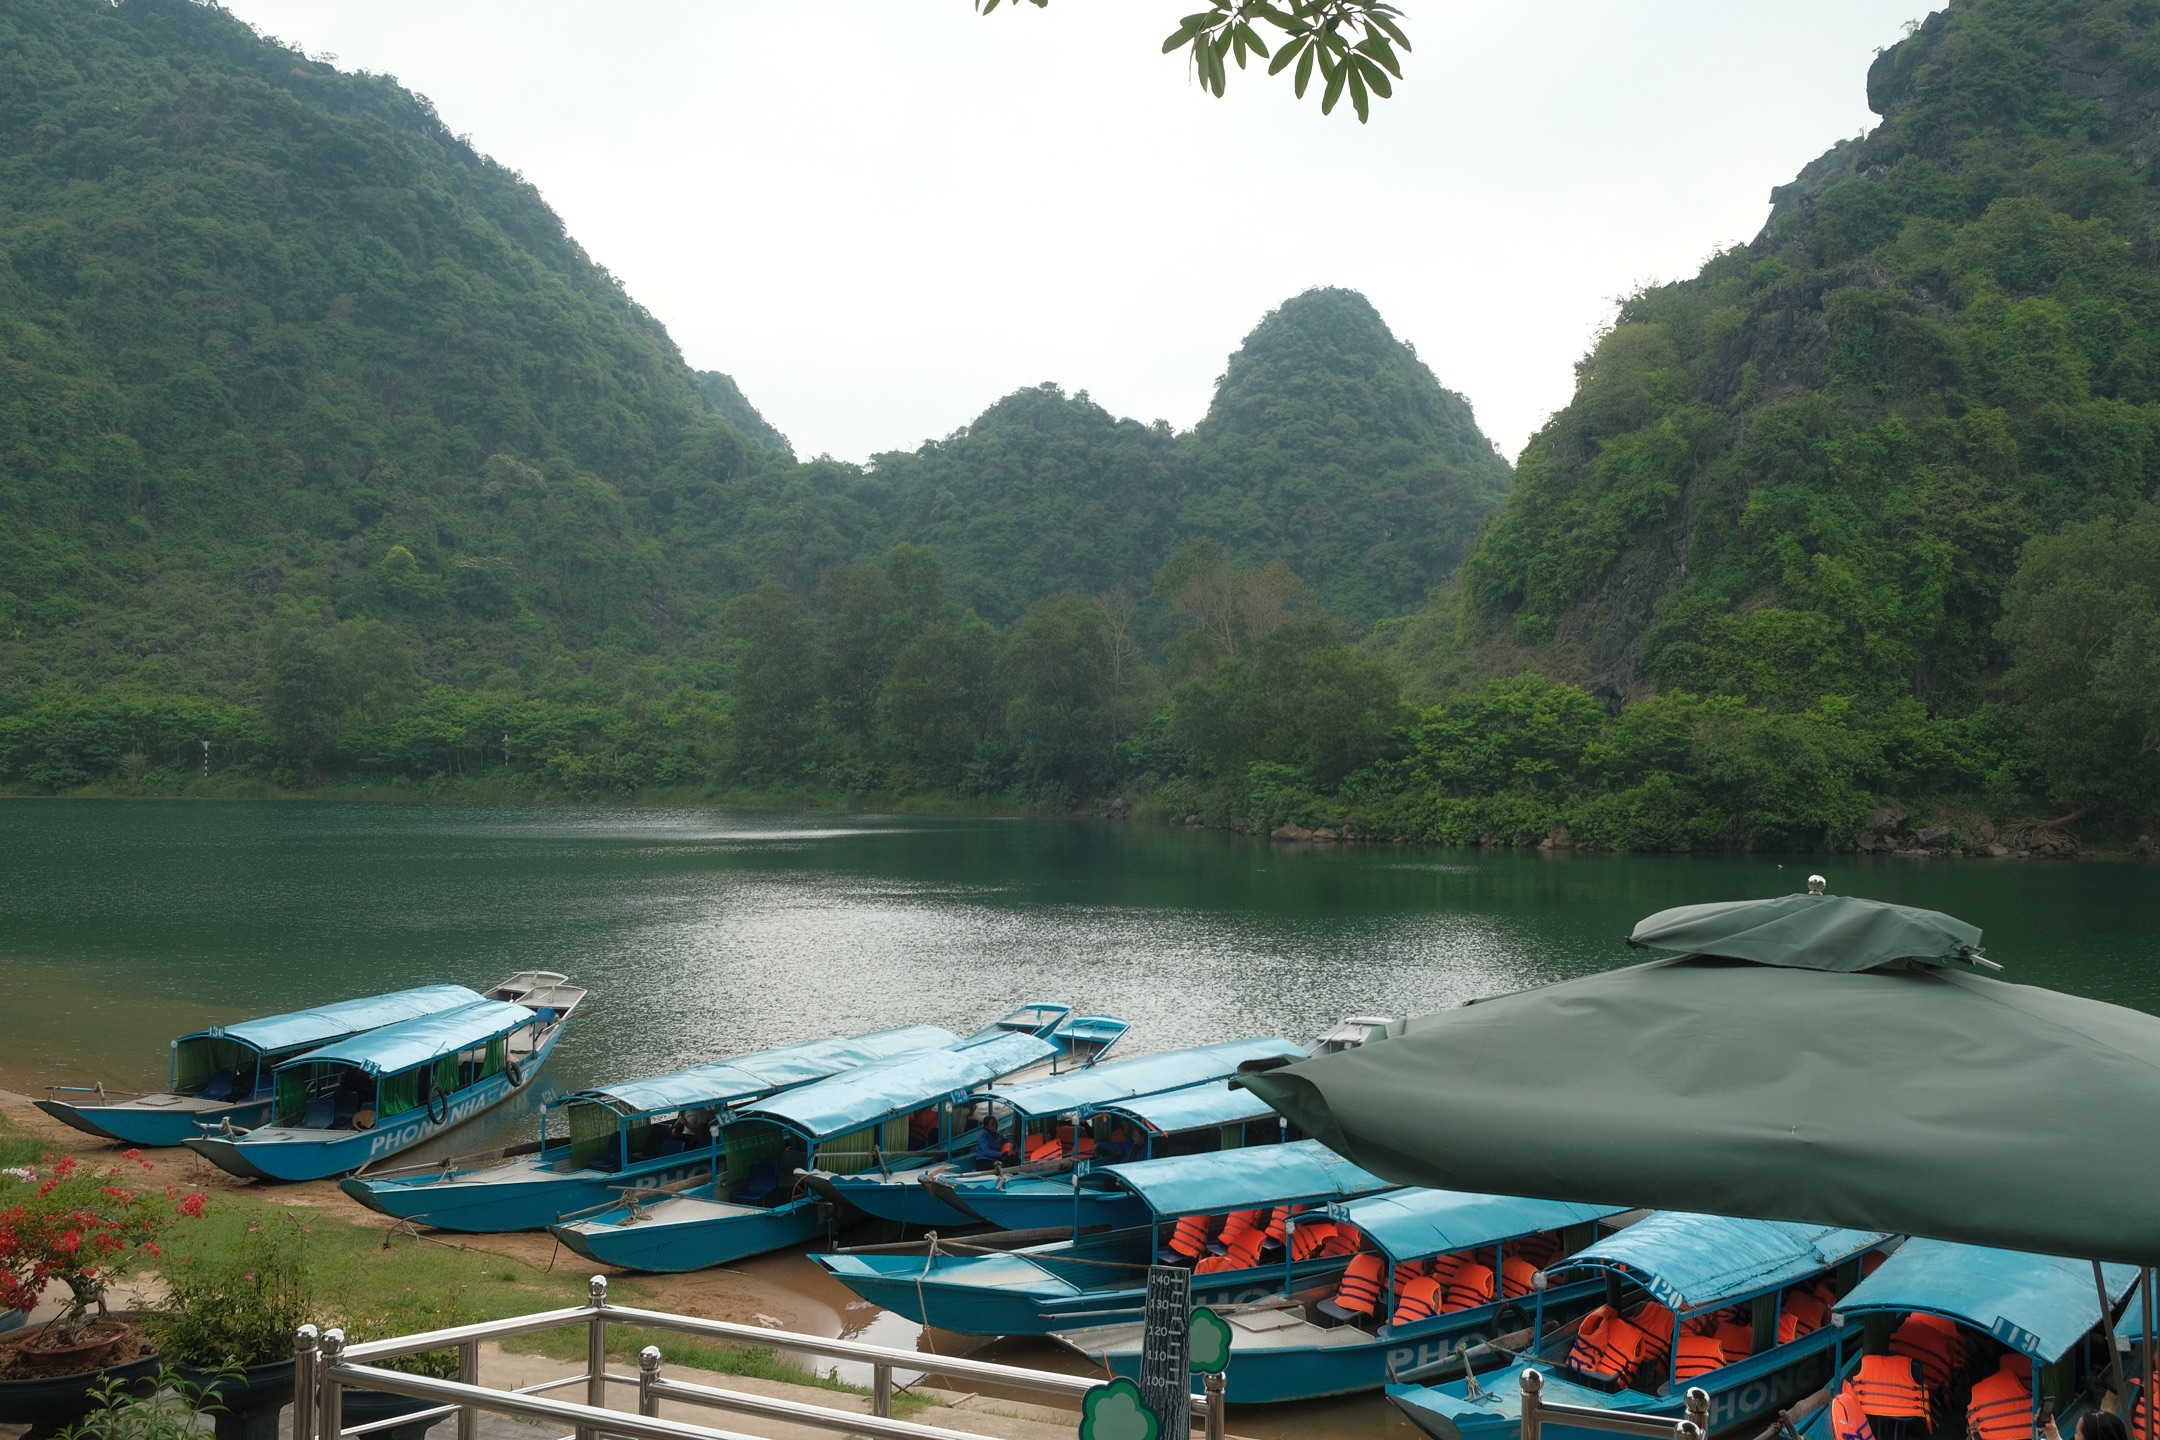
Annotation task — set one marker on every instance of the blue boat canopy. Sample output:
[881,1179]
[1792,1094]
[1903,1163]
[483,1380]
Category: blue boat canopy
[1240,1179]
[1196,1107]
[416,1042]
[1413,1224]
[905,1082]
[746,1077]
[1693,1262]
[1107,1084]
[324,1023]
[2039,1305]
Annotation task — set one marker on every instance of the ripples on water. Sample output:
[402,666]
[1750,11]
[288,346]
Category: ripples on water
[704,932]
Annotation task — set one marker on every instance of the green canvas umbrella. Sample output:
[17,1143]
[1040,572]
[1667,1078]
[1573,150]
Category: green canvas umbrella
[1811,1058]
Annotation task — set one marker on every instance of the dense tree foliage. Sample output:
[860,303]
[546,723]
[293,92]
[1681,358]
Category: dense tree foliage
[320,442]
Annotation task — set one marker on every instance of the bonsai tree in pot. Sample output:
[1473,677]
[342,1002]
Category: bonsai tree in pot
[87,1227]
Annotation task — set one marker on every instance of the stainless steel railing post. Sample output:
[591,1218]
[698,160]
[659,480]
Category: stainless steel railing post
[468,1372]
[305,1340]
[648,1370]
[1532,1383]
[595,1351]
[881,1391]
[330,1394]
[1695,1410]
[1214,1387]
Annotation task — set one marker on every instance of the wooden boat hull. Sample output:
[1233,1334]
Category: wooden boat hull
[1041,1202]
[157,1121]
[901,1198]
[691,1232]
[525,1194]
[1743,1396]
[1030,1294]
[1278,1356]
[279,1153]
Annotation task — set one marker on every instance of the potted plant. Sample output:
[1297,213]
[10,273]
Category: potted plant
[227,1320]
[87,1228]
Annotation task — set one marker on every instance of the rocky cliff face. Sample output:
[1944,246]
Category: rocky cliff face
[1807,470]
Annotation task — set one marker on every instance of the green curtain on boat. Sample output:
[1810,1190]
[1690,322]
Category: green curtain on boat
[845,1154]
[747,1142]
[498,1052]
[1908,1098]
[397,1094]
[291,1093]
[593,1129]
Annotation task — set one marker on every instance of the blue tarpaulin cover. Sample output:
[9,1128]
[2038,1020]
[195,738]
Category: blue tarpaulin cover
[906,1082]
[1240,1179]
[1689,1262]
[325,1023]
[2040,1305]
[1196,1107]
[416,1042]
[1412,1224]
[1106,1084]
[747,1077]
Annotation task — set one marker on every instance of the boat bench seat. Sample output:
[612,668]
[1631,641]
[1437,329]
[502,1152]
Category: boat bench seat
[1327,1314]
[318,1113]
[758,1186]
[219,1088]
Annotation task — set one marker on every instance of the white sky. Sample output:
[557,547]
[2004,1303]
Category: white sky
[881,215]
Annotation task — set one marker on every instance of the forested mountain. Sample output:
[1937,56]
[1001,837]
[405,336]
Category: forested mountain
[1819,471]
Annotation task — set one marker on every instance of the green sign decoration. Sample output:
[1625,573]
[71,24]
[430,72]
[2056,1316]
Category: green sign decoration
[1116,1412]
[1207,1348]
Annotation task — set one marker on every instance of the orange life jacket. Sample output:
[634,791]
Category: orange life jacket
[1927,1347]
[1347,1240]
[1046,1148]
[1420,1299]
[1656,1324]
[1801,1314]
[1698,1356]
[1240,1253]
[1848,1421]
[1888,1388]
[1736,1340]
[1278,1222]
[1517,1277]
[1360,1288]
[1444,1267]
[1539,1250]
[2000,1408]
[1242,1223]
[1471,1287]
[1191,1237]
[2018,1365]
[1306,1241]
[1606,1345]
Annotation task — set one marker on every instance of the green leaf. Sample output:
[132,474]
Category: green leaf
[1394,31]
[1358,97]
[1377,47]
[1252,41]
[1304,69]
[1334,88]
[1376,78]
[1288,53]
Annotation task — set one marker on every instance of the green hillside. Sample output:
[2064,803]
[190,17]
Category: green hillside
[1814,472]
[324,442]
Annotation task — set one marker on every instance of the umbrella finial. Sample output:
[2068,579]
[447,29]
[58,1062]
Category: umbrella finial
[1816,885]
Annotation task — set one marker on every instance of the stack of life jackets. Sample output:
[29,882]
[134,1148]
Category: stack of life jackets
[1888,1388]
[2001,1406]
[1243,1237]
[1802,1312]
[1607,1345]
[1420,1297]
[1360,1288]
[1470,1286]
[1657,1325]
[1518,1277]
[1933,1344]
[1190,1240]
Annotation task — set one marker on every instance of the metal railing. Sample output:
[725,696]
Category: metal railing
[326,1366]
[1694,1423]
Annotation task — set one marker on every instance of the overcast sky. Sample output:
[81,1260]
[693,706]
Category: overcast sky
[881,215]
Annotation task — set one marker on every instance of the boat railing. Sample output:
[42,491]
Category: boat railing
[326,1366]
[1693,1424]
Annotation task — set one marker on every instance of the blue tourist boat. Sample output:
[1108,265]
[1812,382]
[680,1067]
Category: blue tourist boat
[2023,1333]
[1314,1347]
[225,1073]
[373,1095]
[989,1288]
[1728,1277]
[838,1126]
[1033,1118]
[1197,1119]
[637,1134]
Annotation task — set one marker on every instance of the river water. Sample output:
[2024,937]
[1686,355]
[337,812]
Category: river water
[703,932]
